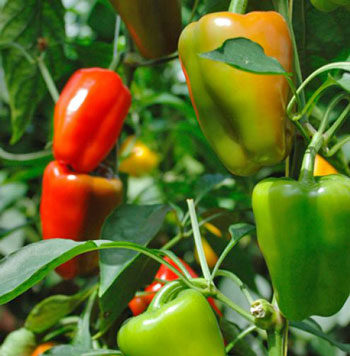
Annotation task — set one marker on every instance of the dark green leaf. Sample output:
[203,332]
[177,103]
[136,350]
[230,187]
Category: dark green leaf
[94,54]
[102,20]
[51,310]
[238,231]
[22,25]
[126,270]
[246,55]
[207,183]
[230,331]
[312,327]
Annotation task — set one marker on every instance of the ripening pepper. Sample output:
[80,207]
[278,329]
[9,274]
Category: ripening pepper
[75,206]
[178,322]
[42,348]
[140,303]
[241,114]
[141,159]
[330,5]
[303,233]
[88,118]
[322,167]
[154,25]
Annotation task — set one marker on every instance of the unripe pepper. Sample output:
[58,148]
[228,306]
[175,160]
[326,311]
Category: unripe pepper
[140,303]
[154,25]
[178,322]
[141,159]
[241,114]
[75,206]
[88,117]
[303,233]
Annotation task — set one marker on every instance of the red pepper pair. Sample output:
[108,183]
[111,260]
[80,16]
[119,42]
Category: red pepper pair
[88,119]
[140,303]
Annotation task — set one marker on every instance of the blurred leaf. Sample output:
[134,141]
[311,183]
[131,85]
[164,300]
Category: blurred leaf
[22,25]
[94,54]
[238,231]
[321,37]
[312,327]
[102,20]
[246,55]
[10,193]
[122,269]
[207,183]
[344,81]
[52,309]
[20,342]
[70,350]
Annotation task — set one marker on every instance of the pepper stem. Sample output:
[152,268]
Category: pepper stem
[238,6]
[166,294]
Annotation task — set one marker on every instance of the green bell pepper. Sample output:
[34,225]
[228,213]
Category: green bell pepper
[303,233]
[154,25]
[178,322]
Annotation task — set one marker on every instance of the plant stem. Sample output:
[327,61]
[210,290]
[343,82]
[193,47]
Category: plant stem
[115,58]
[194,8]
[275,342]
[236,280]
[51,86]
[239,337]
[238,6]
[25,157]
[198,240]
[222,297]
[338,123]
[337,146]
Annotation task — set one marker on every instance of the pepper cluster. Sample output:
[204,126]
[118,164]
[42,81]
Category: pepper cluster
[87,122]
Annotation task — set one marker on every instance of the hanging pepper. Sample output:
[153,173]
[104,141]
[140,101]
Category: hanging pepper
[140,303]
[75,206]
[241,114]
[178,322]
[154,25]
[330,5]
[88,117]
[140,161]
[303,233]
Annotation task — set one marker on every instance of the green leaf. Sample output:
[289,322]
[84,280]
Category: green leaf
[238,231]
[344,81]
[20,342]
[25,267]
[313,328]
[126,270]
[246,55]
[207,183]
[22,24]
[51,310]
[70,350]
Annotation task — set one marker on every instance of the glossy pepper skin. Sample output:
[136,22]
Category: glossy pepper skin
[88,117]
[330,5]
[154,25]
[185,325]
[303,233]
[241,114]
[75,206]
[140,303]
